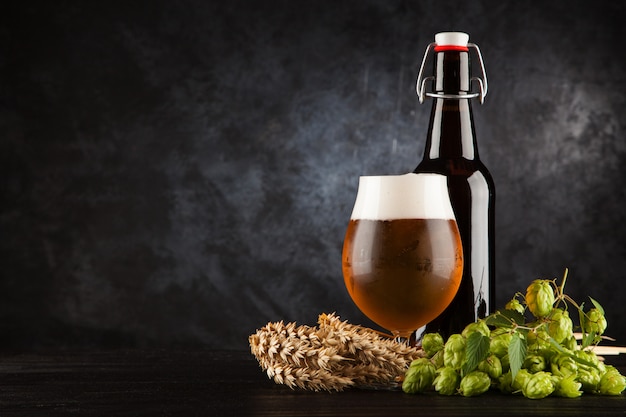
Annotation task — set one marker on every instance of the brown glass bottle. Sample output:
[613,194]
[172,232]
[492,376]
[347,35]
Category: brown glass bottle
[451,150]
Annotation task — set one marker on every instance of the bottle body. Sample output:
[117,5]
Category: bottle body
[472,194]
[451,150]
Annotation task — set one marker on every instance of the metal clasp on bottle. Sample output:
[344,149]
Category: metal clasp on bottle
[421,80]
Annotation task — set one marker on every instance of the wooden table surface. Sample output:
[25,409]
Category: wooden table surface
[226,383]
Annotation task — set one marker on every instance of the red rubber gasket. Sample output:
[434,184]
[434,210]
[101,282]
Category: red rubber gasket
[439,48]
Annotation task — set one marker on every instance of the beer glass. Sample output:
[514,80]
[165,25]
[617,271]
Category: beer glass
[402,259]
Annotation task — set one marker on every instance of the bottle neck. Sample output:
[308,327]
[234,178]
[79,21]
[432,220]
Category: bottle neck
[451,129]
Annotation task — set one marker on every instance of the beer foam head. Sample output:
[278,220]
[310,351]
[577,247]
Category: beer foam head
[408,196]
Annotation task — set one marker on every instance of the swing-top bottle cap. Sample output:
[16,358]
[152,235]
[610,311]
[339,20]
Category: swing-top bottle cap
[446,41]
[451,41]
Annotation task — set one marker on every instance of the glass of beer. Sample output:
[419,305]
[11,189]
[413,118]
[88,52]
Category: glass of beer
[402,259]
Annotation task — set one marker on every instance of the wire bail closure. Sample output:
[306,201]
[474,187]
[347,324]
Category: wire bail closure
[420,86]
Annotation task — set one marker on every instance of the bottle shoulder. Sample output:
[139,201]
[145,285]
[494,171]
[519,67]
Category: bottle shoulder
[454,167]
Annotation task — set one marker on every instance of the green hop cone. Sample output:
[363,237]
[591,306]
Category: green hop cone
[591,359]
[560,326]
[588,358]
[567,386]
[563,366]
[437,359]
[477,326]
[539,385]
[419,377]
[505,383]
[589,377]
[570,343]
[612,382]
[432,343]
[506,363]
[499,345]
[595,322]
[534,363]
[521,379]
[514,305]
[491,366]
[447,381]
[540,297]
[454,351]
[474,383]
[539,341]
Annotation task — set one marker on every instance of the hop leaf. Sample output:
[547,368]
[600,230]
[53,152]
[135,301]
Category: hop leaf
[505,319]
[517,353]
[476,350]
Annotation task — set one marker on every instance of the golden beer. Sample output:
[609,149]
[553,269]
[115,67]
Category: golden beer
[402,273]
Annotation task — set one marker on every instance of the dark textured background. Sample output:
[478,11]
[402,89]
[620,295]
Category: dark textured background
[182,172]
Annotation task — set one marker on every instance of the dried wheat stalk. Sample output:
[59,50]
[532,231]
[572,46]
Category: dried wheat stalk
[334,356]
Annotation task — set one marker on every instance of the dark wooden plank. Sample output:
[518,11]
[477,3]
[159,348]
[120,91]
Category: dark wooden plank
[209,383]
